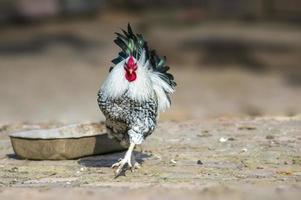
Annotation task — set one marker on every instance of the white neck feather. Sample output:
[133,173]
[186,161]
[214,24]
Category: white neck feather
[116,84]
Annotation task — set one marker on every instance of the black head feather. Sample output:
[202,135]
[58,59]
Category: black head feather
[134,44]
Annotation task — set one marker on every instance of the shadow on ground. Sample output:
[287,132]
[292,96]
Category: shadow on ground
[14,156]
[108,160]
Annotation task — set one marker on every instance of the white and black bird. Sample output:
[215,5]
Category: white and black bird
[136,90]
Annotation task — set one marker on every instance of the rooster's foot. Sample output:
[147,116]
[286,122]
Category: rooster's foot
[125,162]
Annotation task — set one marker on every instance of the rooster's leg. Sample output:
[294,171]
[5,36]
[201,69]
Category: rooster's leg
[126,160]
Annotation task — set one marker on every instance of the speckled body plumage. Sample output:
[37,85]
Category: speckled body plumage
[129,120]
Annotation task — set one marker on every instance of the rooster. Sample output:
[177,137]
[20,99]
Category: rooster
[136,90]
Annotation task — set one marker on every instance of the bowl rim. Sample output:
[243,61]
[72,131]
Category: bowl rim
[65,132]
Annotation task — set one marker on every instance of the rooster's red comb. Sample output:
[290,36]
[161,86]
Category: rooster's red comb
[131,62]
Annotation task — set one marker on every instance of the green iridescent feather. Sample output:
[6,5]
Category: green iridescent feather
[133,44]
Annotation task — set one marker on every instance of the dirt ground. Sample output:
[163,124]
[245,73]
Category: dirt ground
[225,158]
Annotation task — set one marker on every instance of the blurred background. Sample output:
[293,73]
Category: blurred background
[231,58]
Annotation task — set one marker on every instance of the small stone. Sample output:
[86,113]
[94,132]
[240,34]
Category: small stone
[244,150]
[284,172]
[243,163]
[199,162]
[173,161]
[222,140]
[13,181]
[14,169]
[205,133]
[247,128]
[269,137]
